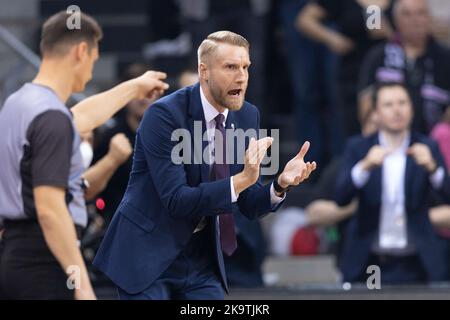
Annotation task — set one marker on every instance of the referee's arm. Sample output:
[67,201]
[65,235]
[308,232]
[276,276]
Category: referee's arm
[92,112]
[51,139]
[60,235]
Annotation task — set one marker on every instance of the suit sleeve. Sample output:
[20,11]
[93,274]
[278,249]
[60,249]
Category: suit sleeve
[255,201]
[345,189]
[180,199]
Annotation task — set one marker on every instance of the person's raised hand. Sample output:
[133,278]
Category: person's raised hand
[422,155]
[375,157]
[150,85]
[120,148]
[253,156]
[297,170]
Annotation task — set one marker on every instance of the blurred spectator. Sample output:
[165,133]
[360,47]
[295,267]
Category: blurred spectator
[97,176]
[187,78]
[392,175]
[283,228]
[440,218]
[127,124]
[351,41]
[320,210]
[245,17]
[440,12]
[440,215]
[312,77]
[414,58]
[441,133]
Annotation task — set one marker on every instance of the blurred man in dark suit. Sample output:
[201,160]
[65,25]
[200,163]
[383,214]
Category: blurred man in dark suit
[392,174]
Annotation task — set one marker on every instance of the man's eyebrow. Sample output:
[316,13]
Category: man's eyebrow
[230,62]
[235,62]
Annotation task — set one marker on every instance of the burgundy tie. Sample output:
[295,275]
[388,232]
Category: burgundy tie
[221,170]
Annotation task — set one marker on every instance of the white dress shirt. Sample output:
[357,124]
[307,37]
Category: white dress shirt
[392,235]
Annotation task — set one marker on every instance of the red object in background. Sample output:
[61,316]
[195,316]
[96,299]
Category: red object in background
[100,204]
[305,242]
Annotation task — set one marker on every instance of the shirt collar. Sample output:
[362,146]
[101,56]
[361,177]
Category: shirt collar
[208,110]
[403,147]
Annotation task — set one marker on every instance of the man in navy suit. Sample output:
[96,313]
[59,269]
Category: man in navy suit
[175,220]
[392,174]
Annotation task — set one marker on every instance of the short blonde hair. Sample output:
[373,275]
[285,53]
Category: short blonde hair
[210,44]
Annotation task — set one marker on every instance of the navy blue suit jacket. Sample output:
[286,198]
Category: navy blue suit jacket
[164,201]
[363,226]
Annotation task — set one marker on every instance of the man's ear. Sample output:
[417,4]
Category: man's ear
[81,51]
[203,71]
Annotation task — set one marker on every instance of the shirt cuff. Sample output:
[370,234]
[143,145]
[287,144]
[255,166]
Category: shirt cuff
[437,178]
[234,197]
[274,199]
[359,176]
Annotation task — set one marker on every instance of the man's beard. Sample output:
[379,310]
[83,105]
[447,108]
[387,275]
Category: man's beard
[222,100]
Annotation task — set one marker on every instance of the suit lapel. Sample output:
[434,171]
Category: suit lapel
[197,116]
[377,182]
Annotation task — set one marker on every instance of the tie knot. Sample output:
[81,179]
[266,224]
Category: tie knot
[219,120]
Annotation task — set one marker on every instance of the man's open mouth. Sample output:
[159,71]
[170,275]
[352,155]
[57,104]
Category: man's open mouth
[235,92]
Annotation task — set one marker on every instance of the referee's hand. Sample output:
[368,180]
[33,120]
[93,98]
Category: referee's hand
[150,85]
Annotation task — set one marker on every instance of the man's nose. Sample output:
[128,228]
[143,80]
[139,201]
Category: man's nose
[398,110]
[242,75]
